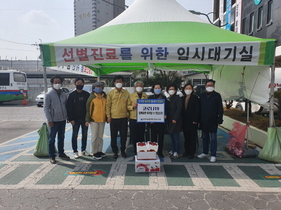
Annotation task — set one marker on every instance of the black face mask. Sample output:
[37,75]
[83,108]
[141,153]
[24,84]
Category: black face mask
[79,87]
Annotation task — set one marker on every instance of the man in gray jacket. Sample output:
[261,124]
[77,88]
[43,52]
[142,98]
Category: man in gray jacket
[56,114]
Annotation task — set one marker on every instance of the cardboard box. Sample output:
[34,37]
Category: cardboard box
[147,165]
[146,155]
[147,146]
[141,147]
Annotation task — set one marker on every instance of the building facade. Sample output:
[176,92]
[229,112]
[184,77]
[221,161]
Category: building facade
[258,18]
[91,14]
[262,18]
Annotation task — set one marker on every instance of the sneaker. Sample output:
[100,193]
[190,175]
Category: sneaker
[123,154]
[203,155]
[102,154]
[115,155]
[53,160]
[213,159]
[171,153]
[175,155]
[85,153]
[64,157]
[75,155]
[97,156]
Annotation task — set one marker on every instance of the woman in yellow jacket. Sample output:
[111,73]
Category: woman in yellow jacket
[96,117]
[136,129]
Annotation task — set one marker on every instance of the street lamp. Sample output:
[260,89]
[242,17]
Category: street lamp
[207,15]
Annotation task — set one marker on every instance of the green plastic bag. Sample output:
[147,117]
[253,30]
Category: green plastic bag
[272,148]
[42,146]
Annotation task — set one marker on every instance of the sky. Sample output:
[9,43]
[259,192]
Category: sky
[26,23]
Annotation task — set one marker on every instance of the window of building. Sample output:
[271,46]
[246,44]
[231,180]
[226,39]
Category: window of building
[269,13]
[232,27]
[216,9]
[244,26]
[251,23]
[260,16]
[197,81]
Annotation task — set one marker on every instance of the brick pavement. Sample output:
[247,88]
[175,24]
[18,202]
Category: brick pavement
[20,169]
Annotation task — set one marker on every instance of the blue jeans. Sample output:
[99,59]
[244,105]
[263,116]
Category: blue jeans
[75,130]
[58,128]
[207,139]
[175,137]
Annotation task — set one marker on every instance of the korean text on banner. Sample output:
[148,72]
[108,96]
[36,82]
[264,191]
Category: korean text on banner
[151,110]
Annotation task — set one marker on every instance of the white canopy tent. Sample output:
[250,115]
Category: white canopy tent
[157,34]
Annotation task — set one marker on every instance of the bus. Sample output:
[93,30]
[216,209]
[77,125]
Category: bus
[13,85]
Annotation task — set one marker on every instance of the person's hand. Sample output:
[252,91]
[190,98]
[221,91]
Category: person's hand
[173,121]
[135,105]
[109,120]
[165,117]
[194,122]
[72,122]
[51,124]
[86,124]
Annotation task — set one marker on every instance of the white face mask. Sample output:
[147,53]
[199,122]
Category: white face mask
[171,92]
[118,85]
[57,86]
[209,89]
[139,89]
[188,92]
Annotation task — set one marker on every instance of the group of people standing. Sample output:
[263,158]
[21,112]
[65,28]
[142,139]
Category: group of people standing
[190,113]
[118,106]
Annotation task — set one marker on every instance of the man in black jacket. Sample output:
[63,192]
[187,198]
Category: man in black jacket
[211,117]
[76,113]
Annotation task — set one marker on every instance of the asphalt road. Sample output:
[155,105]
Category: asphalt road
[17,120]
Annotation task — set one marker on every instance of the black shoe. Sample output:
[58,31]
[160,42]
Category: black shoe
[190,156]
[123,154]
[185,154]
[97,156]
[53,160]
[102,154]
[160,155]
[115,155]
[64,157]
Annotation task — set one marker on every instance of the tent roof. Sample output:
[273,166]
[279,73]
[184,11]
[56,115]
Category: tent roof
[150,28]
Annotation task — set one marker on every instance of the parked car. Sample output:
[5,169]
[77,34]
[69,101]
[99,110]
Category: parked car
[147,91]
[40,98]
[256,108]
[88,88]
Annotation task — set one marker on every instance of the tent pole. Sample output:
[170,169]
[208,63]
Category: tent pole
[98,74]
[248,119]
[271,96]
